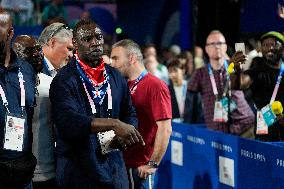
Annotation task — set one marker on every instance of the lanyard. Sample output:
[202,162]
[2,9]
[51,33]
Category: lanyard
[138,79]
[91,101]
[278,81]
[212,79]
[184,90]
[22,90]
[48,68]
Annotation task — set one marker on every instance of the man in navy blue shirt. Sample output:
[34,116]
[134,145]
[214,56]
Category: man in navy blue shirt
[91,103]
[17,92]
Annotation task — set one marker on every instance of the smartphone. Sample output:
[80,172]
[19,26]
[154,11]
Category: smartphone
[240,47]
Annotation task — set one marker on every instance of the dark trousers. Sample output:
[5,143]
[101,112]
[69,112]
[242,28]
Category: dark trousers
[49,184]
[13,177]
[15,186]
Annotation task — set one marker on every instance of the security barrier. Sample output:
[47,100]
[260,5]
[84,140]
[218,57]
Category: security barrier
[199,158]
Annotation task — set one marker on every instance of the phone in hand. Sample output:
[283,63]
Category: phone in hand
[240,47]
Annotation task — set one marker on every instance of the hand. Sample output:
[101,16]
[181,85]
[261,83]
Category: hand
[145,170]
[117,143]
[127,134]
[238,58]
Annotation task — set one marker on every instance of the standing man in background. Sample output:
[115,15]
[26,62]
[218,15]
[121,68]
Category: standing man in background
[262,80]
[151,98]
[212,81]
[57,47]
[27,48]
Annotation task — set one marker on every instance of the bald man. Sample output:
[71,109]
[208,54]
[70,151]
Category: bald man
[211,81]
[17,93]
[27,48]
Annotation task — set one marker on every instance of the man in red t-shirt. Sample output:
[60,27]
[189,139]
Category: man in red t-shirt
[152,101]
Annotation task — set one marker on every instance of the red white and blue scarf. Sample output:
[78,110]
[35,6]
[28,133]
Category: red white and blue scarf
[95,79]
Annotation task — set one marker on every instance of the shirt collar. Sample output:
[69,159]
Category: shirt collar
[50,67]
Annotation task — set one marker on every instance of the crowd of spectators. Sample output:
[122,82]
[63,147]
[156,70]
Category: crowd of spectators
[92,101]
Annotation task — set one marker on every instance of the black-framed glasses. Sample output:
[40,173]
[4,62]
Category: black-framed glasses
[60,28]
[219,43]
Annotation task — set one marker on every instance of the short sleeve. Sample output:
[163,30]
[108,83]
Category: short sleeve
[161,102]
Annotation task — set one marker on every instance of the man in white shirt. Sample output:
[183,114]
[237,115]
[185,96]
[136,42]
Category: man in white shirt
[57,47]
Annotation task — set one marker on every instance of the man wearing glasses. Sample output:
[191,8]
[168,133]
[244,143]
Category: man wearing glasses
[212,81]
[264,80]
[57,48]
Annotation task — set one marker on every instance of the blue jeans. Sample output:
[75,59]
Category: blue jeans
[135,182]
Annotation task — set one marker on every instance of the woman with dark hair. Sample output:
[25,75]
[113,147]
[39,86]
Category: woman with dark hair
[187,60]
[178,88]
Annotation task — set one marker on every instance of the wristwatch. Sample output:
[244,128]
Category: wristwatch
[153,164]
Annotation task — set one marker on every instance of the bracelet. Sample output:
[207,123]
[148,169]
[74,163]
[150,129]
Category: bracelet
[153,164]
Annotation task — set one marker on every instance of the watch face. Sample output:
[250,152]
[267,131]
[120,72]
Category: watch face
[153,164]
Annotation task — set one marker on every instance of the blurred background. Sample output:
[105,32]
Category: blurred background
[161,22]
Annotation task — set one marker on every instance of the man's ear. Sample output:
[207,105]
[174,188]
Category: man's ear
[51,42]
[132,58]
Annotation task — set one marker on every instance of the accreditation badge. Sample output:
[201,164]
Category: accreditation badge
[268,115]
[233,104]
[220,115]
[14,132]
[261,126]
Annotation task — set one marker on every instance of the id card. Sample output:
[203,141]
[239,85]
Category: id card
[261,127]
[220,115]
[14,133]
[233,104]
[268,115]
[105,139]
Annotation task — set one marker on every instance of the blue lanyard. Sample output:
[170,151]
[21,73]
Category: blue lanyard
[184,89]
[45,63]
[22,93]
[212,79]
[138,79]
[105,89]
[210,70]
[280,73]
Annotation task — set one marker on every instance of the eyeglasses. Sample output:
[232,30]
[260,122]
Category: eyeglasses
[215,43]
[60,28]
